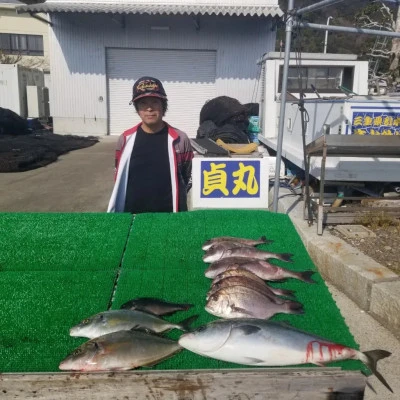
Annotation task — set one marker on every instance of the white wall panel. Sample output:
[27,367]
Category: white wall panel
[78,55]
[188,78]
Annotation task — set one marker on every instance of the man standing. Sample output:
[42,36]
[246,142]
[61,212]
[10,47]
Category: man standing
[153,160]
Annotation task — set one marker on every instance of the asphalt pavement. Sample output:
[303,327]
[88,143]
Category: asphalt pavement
[82,180]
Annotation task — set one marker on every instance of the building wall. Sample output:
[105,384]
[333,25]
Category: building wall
[11,22]
[78,63]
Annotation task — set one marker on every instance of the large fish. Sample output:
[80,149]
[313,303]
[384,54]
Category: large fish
[120,351]
[118,320]
[155,306]
[246,282]
[263,269]
[243,273]
[243,302]
[248,242]
[218,252]
[266,343]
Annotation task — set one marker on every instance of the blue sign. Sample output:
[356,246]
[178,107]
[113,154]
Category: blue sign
[230,179]
[376,122]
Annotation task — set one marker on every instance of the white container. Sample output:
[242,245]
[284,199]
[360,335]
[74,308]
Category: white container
[14,80]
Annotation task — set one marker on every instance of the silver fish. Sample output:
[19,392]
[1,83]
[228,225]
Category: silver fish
[263,269]
[262,287]
[248,242]
[155,306]
[218,252]
[243,302]
[117,320]
[120,351]
[244,273]
[266,343]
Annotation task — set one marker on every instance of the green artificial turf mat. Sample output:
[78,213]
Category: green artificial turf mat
[37,310]
[62,241]
[163,258]
[56,269]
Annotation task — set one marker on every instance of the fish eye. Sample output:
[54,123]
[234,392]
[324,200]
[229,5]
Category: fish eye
[215,297]
[77,351]
[85,321]
[202,328]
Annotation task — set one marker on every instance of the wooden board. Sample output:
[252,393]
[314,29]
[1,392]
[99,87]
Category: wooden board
[259,384]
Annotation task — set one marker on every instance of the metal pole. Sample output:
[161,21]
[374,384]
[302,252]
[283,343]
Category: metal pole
[349,30]
[316,6]
[289,25]
[326,35]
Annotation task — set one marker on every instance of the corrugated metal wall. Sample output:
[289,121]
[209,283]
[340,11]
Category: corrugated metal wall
[79,42]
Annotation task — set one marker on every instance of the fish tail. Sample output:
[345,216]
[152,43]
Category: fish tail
[305,276]
[265,240]
[294,307]
[371,358]
[185,324]
[286,257]
[282,292]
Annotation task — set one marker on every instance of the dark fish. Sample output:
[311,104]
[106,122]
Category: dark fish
[265,343]
[216,253]
[120,351]
[263,270]
[243,302]
[249,275]
[155,306]
[248,242]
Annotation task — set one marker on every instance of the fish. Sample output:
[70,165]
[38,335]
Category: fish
[244,273]
[117,320]
[218,252]
[263,269]
[229,244]
[248,242]
[256,342]
[262,287]
[120,351]
[155,306]
[243,302]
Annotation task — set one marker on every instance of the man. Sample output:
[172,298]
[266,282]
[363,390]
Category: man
[153,160]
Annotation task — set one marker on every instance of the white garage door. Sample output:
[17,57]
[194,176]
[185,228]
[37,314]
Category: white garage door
[188,77]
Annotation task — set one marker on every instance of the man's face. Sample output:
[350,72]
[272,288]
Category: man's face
[150,110]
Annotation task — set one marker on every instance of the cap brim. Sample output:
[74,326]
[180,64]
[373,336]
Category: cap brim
[160,96]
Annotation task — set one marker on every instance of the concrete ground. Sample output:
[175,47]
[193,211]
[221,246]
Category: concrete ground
[82,180]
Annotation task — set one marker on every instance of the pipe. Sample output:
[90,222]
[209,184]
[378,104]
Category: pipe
[289,25]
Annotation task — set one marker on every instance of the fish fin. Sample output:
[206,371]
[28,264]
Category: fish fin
[249,329]
[305,276]
[183,307]
[286,257]
[252,361]
[242,310]
[265,240]
[294,307]
[371,359]
[318,364]
[282,292]
[155,362]
[185,324]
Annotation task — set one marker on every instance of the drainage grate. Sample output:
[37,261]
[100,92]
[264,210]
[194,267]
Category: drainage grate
[355,231]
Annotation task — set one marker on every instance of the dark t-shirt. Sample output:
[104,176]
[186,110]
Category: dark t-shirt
[149,181]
